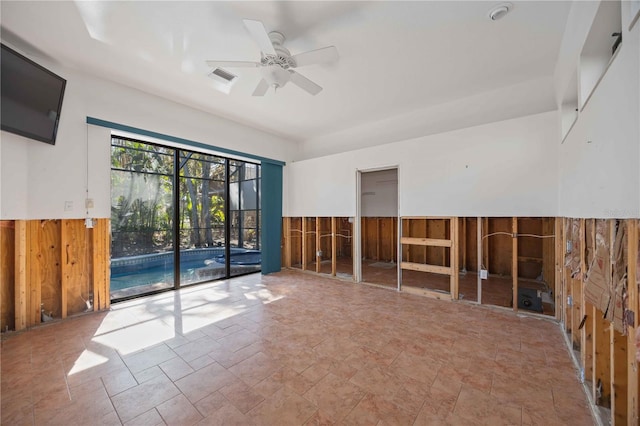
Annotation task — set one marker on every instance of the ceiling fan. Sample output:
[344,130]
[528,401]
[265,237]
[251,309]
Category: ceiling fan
[277,64]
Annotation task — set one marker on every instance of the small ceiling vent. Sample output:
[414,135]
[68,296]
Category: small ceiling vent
[225,75]
[500,11]
[223,79]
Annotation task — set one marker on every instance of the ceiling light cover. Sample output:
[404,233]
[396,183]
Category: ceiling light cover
[499,11]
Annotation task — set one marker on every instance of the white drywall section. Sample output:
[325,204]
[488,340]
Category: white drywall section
[13,177]
[508,168]
[599,173]
[37,179]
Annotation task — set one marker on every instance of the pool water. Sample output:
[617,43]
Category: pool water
[155,271]
[160,274]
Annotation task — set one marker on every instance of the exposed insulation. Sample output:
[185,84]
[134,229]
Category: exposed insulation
[619,284]
[597,286]
[572,258]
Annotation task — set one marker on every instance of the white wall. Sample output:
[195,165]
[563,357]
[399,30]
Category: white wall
[508,168]
[379,192]
[38,178]
[599,159]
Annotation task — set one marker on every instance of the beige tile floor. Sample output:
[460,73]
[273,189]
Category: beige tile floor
[288,349]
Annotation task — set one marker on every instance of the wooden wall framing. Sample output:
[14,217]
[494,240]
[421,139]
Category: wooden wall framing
[430,244]
[326,239]
[52,265]
[606,351]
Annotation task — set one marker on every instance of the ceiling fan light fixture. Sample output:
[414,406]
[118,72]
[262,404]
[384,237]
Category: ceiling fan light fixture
[500,11]
[275,75]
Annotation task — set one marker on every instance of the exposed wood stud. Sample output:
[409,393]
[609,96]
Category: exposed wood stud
[582,307]
[563,296]
[426,233]
[428,293]
[618,356]
[463,242]
[399,253]
[34,267]
[479,260]
[394,239]
[514,261]
[100,261]
[318,249]
[287,242]
[602,363]
[435,242]
[444,270]
[21,275]
[633,417]
[590,230]
[485,242]
[453,253]
[304,243]
[7,275]
[378,258]
[334,249]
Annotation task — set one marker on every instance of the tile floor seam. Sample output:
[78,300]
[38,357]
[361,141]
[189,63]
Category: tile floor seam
[364,394]
[113,406]
[424,401]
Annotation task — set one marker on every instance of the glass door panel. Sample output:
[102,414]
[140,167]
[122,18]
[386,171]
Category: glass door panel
[141,218]
[202,216]
[244,194]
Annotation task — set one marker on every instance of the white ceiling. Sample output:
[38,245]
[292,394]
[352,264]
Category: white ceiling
[443,64]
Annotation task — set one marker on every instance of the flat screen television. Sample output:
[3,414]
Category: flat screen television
[30,97]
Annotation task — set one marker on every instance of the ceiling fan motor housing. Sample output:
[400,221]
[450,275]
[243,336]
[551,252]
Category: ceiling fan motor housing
[283,56]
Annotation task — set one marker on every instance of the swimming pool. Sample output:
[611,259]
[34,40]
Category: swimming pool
[155,271]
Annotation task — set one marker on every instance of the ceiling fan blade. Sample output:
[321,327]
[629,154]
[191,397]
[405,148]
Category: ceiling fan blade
[261,88]
[233,64]
[259,34]
[319,56]
[304,83]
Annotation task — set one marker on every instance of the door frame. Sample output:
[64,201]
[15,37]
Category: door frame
[357,240]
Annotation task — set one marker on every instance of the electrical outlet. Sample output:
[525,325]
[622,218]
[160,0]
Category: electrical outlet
[484,274]
[569,301]
[569,246]
[88,203]
[68,206]
[88,223]
[319,253]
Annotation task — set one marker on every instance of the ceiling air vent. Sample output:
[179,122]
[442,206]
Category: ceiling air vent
[223,79]
[225,75]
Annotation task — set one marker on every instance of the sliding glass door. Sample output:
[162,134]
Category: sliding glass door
[202,217]
[163,198]
[244,197]
[141,218]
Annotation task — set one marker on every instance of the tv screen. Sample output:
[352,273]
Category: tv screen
[31,97]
